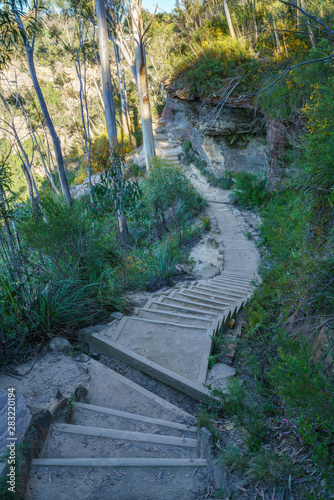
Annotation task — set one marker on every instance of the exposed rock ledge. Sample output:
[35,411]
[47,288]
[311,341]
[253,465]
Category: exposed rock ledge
[229,139]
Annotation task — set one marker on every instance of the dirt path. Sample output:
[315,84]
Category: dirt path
[125,442]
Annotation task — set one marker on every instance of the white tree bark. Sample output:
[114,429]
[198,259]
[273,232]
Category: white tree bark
[109,109]
[229,20]
[142,81]
[108,99]
[29,49]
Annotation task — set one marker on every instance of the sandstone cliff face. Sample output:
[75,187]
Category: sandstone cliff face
[228,139]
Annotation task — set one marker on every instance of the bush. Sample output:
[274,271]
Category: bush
[249,191]
[165,187]
[67,276]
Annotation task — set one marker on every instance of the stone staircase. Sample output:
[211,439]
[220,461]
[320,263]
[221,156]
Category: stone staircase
[163,146]
[136,446]
[171,337]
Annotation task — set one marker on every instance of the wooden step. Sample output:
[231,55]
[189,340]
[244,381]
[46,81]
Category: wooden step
[184,319]
[154,304]
[216,292]
[126,435]
[120,462]
[205,299]
[191,304]
[134,416]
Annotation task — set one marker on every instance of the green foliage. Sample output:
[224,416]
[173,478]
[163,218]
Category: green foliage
[232,456]
[68,275]
[152,267]
[219,58]
[114,192]
[249,414]
[165,187]
[249,191]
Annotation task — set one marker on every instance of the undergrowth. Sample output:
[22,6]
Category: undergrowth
[283,405]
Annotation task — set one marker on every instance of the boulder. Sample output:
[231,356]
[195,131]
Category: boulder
[218,376]
[59,344]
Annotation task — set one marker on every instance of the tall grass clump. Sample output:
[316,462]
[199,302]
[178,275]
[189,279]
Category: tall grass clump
[163,225]
[65,274]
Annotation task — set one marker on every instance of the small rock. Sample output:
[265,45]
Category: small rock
[231,323]
[160,130]
[218,376]
[212,243]
[116,315]
[80,393]
[59,344]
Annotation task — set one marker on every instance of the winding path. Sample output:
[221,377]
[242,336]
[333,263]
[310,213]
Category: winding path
[135,444]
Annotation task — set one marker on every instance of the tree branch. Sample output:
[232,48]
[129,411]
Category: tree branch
[315,19]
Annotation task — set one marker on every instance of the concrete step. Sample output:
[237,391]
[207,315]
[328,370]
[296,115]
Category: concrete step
[85,430]
[176,307]
[89,445]
[204,300]
[230,286]
[217,292]
[159,144]
[242,274]
[224,289]
[89,414]
[118,462]
[232,282]
[160,137]
[190,349]
[237,277]
[191,304]
[170,154]
[184,319]
[210,298]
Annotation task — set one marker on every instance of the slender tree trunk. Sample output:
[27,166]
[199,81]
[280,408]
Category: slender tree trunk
[143,89]
[284,41]
[229,20]
[278,43]
[123,112]
[10,239]
[256,34]
[55,139]
[163,92]
[298,14]
[127,114]
[109,109]
[108,98]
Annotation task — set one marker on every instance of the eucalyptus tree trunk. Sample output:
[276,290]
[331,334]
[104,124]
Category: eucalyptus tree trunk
[14,139]
[298,13]
[10,239]
[108,99]
[124,107]
[278,43]
[109,109]
[256,34]
[127,114]
[142,81]
[310,32]
[81,70]
[29,49]
[229,20]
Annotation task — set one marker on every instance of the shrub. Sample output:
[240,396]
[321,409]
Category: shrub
[249,191]
[67,276]
[165,186]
